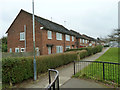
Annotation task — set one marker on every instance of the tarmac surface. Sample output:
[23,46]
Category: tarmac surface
[65,74]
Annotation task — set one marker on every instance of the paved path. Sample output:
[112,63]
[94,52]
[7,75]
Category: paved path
[80,83]
[65,74]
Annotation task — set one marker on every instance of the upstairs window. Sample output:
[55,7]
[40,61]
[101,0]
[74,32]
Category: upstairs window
[72,38]
[49,34]
[22,36]
[67,37]
[58,36]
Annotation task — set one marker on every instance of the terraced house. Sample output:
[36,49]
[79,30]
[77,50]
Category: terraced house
[50,37]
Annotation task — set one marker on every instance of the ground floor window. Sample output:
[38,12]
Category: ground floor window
[16,49]
[59,49]
[10,50]
[22,49]
[67,47]
[49,50]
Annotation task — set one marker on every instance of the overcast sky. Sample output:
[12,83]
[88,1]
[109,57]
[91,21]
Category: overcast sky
[96,18]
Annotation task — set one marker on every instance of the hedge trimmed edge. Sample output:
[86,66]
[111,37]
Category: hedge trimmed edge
[15,70]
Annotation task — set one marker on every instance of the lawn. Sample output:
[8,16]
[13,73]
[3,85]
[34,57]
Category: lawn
[95,70]
[110,56]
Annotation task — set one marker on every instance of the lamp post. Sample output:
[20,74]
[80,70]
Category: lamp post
[34,61]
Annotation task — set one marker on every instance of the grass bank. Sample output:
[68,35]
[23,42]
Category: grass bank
[95,70]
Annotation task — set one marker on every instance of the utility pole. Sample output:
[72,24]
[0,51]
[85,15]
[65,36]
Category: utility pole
[34,61]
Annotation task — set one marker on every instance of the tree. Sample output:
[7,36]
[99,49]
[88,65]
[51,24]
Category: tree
[115,35]
[4,44]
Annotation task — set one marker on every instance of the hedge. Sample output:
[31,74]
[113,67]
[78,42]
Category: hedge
[15,70]
[90,50]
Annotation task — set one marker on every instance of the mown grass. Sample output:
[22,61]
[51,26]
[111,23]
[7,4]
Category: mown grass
[95,70]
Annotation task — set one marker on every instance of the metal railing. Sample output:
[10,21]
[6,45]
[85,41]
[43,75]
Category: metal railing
[106,71]
[54,84]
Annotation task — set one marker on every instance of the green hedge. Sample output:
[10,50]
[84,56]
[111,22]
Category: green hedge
[16,70]
[90,50]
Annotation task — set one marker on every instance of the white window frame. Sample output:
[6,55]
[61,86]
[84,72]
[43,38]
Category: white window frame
[10,50]
[22,36]
[59,49]
[58,36]
[49,34]
[67,37]
[86,41]
[49,50]
[17,49]
[83,41]
[23,49]
[67,47]
[80,40]
[72,38]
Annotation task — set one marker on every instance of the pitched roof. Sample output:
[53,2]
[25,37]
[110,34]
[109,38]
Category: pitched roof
[77,34]
[89,38]
[47,24]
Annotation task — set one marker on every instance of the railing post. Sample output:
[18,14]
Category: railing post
[49,76]
[58,82]
[74,67]
[103,72]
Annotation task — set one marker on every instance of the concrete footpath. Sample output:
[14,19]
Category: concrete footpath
[65,73]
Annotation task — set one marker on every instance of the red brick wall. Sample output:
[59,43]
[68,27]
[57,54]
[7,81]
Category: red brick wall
[40,36]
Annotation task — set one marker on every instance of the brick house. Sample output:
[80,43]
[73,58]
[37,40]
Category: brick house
[91,41]
[81,41]
[50,37]
[84,40]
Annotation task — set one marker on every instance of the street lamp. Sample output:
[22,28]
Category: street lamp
[34,61]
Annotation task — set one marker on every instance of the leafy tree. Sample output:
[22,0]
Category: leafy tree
[4,44]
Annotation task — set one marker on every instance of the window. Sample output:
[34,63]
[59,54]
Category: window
[67,37]
[58,36]
[10,50]
[72,38]
[49,34]
[83,40]
[86,41]
[49,50]
[16,49]
[22,36]
[59,49]
[41,28]
[80,40]
[22,49]
[67,47]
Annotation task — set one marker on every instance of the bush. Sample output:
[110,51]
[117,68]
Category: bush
[90,50]
[82,54]
[16,70]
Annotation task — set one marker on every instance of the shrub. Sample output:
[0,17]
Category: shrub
[16,70]
[90,50]
[82,54]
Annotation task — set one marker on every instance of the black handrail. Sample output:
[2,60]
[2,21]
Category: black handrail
[99,62]
[56,79]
